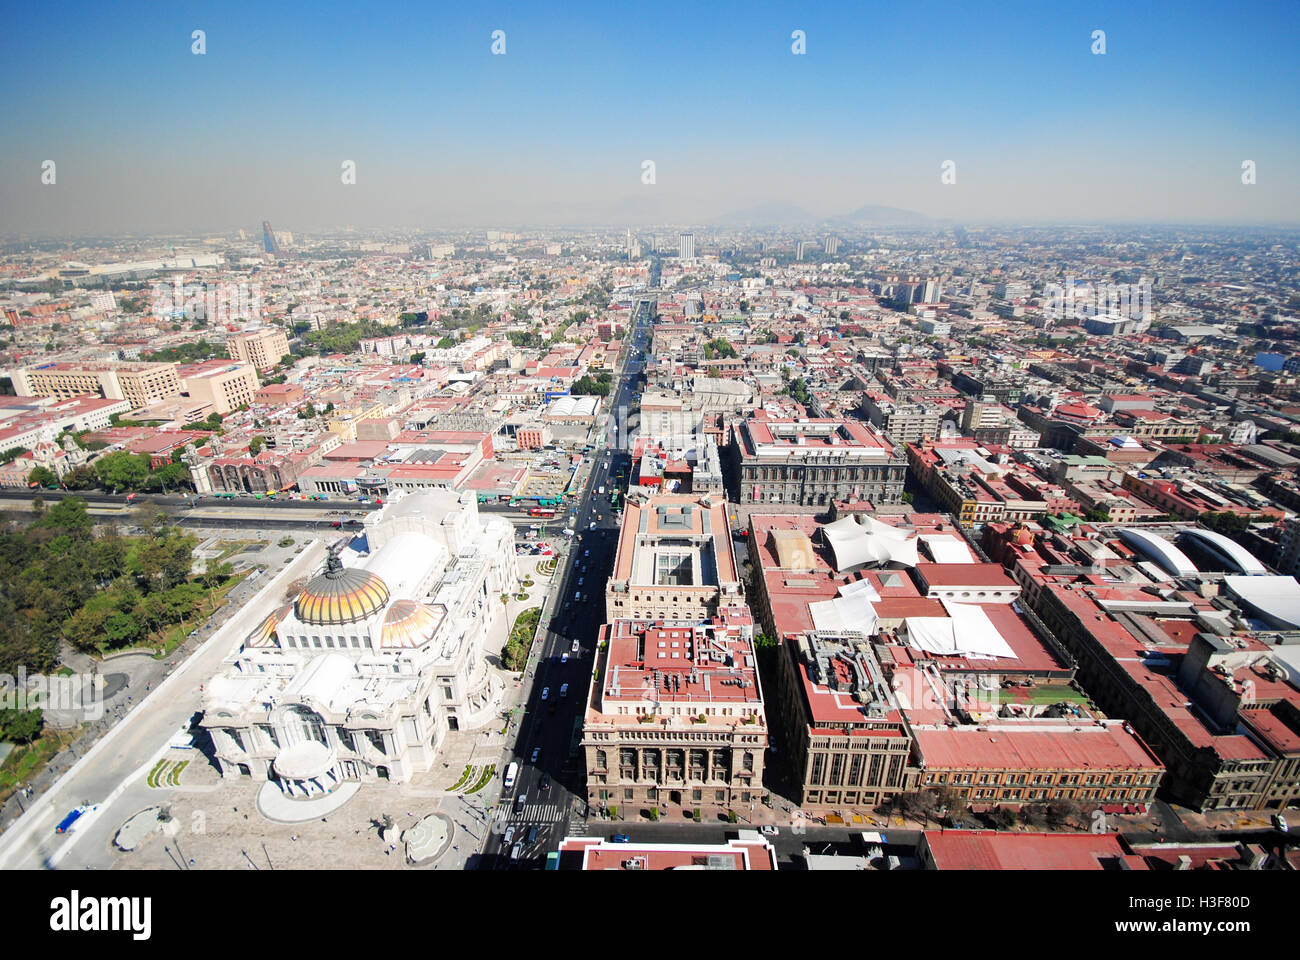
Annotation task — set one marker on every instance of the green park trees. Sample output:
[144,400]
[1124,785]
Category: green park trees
[60,580]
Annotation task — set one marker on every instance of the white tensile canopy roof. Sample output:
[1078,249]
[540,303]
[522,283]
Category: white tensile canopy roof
[864,587]
[965,632]
[857,543]
[853,612]
[945,548]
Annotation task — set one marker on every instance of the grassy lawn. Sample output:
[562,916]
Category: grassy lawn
[26,760]
[231,547]
[484,779]
[526,625]
[1053,693]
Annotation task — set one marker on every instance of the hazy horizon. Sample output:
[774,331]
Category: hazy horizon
[149,138]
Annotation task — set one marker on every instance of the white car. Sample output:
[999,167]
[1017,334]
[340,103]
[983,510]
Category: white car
[1279,822]
[576,647]
[564,658]
[593,525]
[546,692]
[769,830]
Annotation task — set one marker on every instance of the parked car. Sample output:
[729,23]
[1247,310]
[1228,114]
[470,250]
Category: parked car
[620,838]
[1280,823]
[769,830]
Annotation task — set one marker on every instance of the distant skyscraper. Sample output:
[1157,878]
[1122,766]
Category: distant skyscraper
[933,291]
[801,248]
[269,243]
[832,246]
[686,246]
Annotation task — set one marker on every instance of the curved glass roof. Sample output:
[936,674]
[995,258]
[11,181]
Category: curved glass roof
[1157,548]
[1232,552]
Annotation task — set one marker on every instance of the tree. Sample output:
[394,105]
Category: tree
[82,477]
[43,476]
[68,515]
[1004,818]
[122,470]
[20,726]
[417,357]
[256,445]
[1226,523]
[170,476]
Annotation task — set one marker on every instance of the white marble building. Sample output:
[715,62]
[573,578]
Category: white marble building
[360,677]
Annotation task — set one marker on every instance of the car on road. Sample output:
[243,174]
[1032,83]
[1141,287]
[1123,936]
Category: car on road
[620,838]
[520,802]
[512,771]
[545,784]
[580,579]
[564,657]
[509,835]
[769,830]
[532,835]
[546,692]
[592,526]
[576,646]
[537,752]
[517,851]
[1280,823]
[564,689]
[586,553]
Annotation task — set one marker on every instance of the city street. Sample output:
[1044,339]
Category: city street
[549,793]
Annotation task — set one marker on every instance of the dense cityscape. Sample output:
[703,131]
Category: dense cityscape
[888,548]
[454,450]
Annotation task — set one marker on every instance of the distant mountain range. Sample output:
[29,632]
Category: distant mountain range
[787,215]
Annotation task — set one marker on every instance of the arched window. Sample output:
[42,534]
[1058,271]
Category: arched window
[302,724]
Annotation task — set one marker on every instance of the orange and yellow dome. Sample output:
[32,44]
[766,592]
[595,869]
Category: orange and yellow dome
[341,595]
[264,635]
[409,624]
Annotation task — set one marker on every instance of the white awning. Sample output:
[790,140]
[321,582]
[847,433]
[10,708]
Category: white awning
[965,632]
[945,548]
[853,612]
[864,587]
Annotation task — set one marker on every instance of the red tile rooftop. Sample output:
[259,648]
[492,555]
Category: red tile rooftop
[991,850]
[965,574]
[1034,745]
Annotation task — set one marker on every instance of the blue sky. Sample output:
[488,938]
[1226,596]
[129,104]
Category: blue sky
[148,136]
